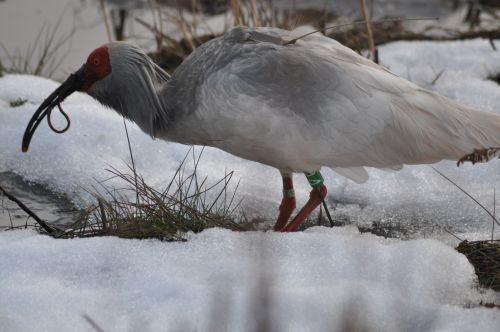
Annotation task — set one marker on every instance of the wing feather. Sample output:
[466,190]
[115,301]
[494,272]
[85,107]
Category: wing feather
[317,103]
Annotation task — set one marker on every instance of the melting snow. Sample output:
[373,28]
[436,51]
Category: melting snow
[319,280]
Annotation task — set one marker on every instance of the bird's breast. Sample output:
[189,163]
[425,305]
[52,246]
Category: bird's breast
[262,135]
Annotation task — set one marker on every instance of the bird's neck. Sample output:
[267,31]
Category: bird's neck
[140,96]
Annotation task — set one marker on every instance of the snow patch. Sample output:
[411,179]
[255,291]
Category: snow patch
[220,280]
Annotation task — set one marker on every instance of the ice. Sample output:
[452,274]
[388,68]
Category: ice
[319,280]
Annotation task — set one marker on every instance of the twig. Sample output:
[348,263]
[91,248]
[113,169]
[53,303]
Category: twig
[42,223]
[194,10]
[494,213]
[492,43]
[48,47]
[106,21]
[131,158]
[92,323]
[103,214]
[320,215]
[155,9]
[371,43]
[437,77]
[181,23]
[118,21]
[255,16]
[338,26]
[452,234]
[236,9]
[469,195]
[154,29]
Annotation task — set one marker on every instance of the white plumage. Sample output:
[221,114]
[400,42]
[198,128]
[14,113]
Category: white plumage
[317,103]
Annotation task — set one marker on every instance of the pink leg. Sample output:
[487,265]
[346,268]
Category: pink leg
[312,203]
[287,203]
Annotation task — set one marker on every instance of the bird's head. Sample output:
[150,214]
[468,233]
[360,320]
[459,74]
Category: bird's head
[119,75]
[97,67]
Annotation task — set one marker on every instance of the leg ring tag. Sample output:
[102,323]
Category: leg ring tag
[315,179]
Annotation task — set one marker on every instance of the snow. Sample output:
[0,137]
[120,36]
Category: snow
[220,280]
[448,24]
[318,280]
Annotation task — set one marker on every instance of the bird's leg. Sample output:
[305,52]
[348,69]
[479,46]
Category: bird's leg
[287,203]
[315,197]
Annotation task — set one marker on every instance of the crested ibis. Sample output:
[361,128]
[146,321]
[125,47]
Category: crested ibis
[293,104]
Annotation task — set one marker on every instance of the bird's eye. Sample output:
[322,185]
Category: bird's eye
[96,61]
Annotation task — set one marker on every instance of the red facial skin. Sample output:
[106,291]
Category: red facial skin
[96,67]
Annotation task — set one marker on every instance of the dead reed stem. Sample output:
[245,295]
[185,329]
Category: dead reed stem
[106,21]
[366,17]
[154,30]
[42,223]
[156,11]
[49,57]
[185,29]
[468,195]
[195,11]
[485,257]
[163,214]
[255,15]
[236,9]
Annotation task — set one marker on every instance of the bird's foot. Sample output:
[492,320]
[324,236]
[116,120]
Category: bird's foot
[315,197]
[286,209]
[480,156]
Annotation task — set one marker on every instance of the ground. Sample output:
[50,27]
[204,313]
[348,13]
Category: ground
[219,280]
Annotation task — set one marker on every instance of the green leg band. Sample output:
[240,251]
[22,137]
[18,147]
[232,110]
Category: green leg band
[315,179]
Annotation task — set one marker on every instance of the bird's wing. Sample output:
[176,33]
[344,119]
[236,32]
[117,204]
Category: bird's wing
[327,106]
[356,174]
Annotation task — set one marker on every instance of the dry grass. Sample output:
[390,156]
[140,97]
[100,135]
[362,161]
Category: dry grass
[485,257]
[170,53]
[188,203]
[40,58]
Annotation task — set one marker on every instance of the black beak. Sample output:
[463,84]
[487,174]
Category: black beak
[72,84]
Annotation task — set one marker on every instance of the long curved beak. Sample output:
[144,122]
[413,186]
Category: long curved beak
[72,84]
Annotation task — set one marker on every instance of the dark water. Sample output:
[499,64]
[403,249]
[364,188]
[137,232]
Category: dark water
[49,206]
[22,20]
[382,8]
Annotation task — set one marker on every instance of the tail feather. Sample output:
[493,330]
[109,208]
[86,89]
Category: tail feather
[483,138]
[480,156]
[443,129]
